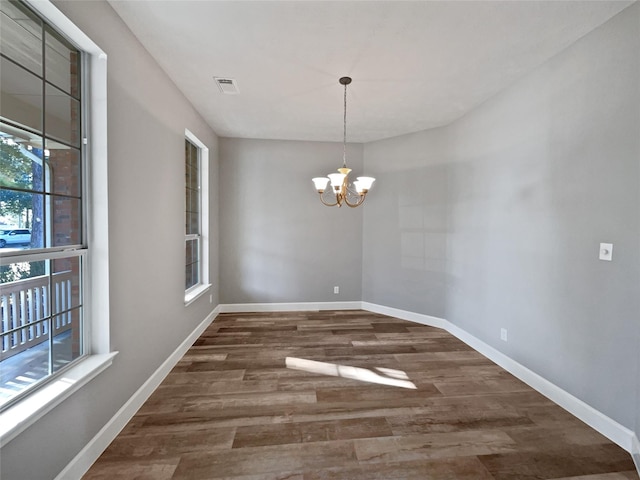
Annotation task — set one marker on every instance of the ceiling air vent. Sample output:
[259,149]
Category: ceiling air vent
[227,85]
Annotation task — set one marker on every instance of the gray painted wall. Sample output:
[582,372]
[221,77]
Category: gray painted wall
[531,181]
[543,173]
[147,117]
[280,243]
[405,223]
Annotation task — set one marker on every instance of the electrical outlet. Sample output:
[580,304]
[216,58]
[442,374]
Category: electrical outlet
[336,290]
[503,334]
[211,298]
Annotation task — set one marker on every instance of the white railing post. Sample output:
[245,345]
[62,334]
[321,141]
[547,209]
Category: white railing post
[5,321]
[25,308]
[68,303]
[14,321]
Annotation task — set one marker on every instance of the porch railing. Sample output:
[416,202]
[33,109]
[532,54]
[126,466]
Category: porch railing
[29,311]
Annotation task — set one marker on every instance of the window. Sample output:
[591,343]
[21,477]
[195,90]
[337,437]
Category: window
[193,239]
[54,331]
[41,193]
[196,217]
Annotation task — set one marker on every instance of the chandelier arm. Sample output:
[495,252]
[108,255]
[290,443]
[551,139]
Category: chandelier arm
[358,203]
[329,204]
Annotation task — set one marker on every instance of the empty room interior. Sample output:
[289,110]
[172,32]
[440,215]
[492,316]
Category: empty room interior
[191,305]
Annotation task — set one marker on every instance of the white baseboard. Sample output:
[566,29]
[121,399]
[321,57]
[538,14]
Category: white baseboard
[635,452]
[406,315]
[98,444]
[288,307]
[606,426]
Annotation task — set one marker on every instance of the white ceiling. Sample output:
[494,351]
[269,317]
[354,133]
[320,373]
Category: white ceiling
[415,65]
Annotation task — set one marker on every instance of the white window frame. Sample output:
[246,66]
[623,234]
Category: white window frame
[203,286]
[99,356]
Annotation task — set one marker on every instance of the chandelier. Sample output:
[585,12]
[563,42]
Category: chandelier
[342,191]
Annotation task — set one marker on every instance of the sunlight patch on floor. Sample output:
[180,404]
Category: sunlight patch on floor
[383,376]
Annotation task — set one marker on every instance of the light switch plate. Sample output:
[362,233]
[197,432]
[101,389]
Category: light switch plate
[606,251]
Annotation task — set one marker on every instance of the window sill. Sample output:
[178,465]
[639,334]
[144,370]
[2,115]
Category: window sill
[194,294]
[25,413]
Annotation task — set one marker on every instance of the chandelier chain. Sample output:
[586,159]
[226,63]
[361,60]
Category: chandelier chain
[344,136]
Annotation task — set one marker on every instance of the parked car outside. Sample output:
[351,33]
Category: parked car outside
[16,237]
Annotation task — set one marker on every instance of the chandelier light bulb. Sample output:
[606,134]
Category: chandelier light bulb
[320,183]
[336,179]
[365,183]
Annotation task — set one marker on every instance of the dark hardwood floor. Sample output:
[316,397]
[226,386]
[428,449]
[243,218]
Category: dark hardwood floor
[349,395]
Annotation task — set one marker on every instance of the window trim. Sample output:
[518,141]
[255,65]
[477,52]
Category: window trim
[194,292]
[99,356]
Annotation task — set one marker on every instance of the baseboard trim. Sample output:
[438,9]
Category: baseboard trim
[406,315]
[608,427]
[595,419]
[98,444]
[288,307]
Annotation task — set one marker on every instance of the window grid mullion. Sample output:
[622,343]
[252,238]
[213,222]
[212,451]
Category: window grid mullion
[43,135]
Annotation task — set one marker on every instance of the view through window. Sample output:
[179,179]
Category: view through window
[42,224]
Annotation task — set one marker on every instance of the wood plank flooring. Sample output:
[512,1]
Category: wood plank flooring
[349,395]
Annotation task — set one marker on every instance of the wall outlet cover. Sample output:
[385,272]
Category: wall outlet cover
[503,334]
[606,251]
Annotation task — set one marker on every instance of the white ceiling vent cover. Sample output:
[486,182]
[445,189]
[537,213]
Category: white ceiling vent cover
[227,85]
